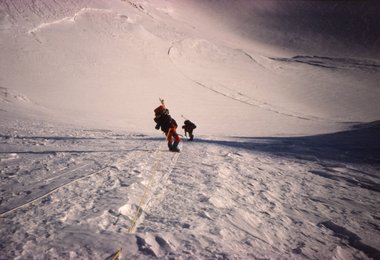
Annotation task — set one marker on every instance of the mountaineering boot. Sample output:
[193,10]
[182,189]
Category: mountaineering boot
[170,146]
[174,147]
[175,150]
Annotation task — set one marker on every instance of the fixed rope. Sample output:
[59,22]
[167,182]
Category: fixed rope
[146,190]
[142,201]
[144,197]
[116,255]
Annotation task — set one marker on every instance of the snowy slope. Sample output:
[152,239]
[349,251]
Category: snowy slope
[74,193]
[285,162]
[110,60]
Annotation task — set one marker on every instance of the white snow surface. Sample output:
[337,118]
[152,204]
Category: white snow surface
[286,157]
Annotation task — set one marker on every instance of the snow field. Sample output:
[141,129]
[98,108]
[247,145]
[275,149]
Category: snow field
[285,162]
[77,194]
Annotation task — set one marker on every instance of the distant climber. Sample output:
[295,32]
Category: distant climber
[189,127]
[168,125]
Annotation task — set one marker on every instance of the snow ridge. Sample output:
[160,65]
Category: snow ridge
[70,19]
[334,63]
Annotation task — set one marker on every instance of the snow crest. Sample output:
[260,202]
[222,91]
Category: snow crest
[71,19]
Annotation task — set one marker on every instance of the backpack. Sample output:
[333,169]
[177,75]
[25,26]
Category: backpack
[189,125]
[161,110]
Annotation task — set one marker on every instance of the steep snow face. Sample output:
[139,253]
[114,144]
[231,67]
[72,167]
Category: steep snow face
[235,67]
[323,28]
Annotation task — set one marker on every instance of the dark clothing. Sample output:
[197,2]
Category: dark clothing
[168,125]
[165,122]
[189,127]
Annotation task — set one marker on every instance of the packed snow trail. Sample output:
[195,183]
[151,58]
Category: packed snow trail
[157,174]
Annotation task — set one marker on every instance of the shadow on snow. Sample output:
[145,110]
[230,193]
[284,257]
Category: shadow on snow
[359,145]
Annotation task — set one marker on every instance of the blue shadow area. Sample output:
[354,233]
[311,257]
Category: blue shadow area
[361,144]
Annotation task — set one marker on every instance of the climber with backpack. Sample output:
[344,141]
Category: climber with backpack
[168,125]
[189,127]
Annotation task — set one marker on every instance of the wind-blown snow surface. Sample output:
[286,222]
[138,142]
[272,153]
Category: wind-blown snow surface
[73,193]
[286,157]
